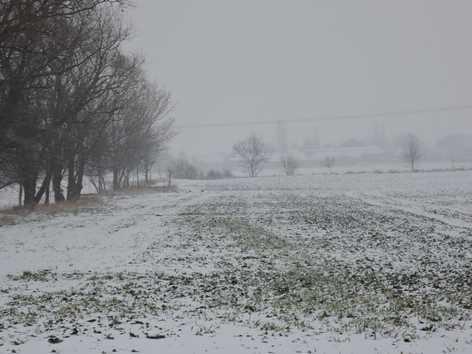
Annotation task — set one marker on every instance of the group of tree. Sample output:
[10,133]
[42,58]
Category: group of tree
[219,174]
[183,168]
[253,154]
[73,103]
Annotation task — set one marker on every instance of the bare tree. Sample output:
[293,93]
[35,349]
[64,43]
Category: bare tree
[290,165]
[328,162]
[253,154]
[412,150]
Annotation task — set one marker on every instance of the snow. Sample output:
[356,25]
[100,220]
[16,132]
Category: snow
[8,197]
[348,263]
[234,340]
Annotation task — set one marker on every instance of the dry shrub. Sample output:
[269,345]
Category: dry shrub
[7,220]
[86,201]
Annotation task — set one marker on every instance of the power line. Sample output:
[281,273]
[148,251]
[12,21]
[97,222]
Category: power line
[333,117]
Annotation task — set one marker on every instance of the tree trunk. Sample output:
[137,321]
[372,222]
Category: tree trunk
[20,196]
[116,179]
[102,183]
[48,192]
[127,179]
[80,179]
[70,178]
[29,187]
[147,173]
[75,179]
[43,188]
[57,185]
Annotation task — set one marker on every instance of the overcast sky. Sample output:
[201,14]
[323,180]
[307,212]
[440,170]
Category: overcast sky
[253,60]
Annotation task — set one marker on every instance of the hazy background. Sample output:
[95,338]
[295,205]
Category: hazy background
[268,60]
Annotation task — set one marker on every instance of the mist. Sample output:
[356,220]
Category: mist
[232,62]
[240,177]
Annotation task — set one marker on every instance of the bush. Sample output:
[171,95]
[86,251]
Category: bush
[182,168]
[215,174]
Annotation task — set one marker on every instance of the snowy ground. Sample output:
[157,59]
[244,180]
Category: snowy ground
[372,263]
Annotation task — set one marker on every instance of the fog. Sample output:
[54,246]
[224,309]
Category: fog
[250,61]
[235,176]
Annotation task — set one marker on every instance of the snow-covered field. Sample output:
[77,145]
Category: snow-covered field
[371,263]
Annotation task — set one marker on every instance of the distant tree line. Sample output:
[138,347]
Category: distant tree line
[182,168]
[72,102]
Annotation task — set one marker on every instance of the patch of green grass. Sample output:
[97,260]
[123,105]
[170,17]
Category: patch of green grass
[247,236]
[41,275]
